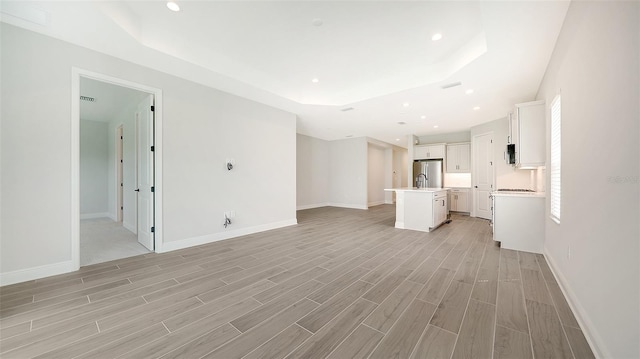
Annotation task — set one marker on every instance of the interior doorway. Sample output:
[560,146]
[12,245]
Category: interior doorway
[116,172]
[483,175]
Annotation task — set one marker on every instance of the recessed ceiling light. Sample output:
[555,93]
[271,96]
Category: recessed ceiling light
[476,108]
[436,126]
[317,22]
[402,123]
[173,6]
[397,139]
[315,80]
[423,117]
[436,37]
[469,91]
[406,104]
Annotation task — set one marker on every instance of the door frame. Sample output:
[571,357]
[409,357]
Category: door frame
[119,172]
[76,74]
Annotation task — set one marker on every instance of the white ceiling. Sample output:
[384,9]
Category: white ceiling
[373,56]
[109,102]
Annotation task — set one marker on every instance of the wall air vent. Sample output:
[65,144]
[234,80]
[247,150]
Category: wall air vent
[87,98]
[453,84]
[347,109]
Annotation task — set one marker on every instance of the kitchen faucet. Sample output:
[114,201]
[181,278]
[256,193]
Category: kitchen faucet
[418,180]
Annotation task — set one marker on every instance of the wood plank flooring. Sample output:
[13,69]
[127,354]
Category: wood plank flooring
[343,283]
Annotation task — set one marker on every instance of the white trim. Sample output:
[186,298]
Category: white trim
[117,163]
[76,73]
[310,206]
[376,203]
[588,328]
[209,238]
[95,215]
[347,205]
[130,227]
[389,202]
[23,275]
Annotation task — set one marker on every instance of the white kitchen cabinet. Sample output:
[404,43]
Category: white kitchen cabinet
[528,131]
[458,158]
[439,208]
[459,200]
[420,209]
[425,152]
[518,221]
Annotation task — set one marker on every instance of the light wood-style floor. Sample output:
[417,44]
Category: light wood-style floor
[342,284]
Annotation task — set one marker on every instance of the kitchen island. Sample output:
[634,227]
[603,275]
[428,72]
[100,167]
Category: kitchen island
[420,209]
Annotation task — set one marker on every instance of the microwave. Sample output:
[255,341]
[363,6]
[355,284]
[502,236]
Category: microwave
[511,154]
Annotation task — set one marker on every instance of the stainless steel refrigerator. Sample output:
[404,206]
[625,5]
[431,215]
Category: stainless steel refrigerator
[427,173]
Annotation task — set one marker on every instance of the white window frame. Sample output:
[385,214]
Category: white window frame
[555,183]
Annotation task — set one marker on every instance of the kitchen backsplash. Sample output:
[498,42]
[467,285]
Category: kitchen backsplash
[529,179]
[457,180]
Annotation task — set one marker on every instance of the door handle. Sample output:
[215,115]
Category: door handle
[137,190]
[475,186]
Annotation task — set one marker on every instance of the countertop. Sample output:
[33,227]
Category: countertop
[415,189]
[519,194]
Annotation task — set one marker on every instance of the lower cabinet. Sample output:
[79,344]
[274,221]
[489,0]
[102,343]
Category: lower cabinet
[459,200]
[518,222]
[439,208]
[421,210]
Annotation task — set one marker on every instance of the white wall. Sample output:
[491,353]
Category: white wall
[348,173]
[351,173]
[596,67]
[93,168]
[376,175]
[202,127]
[506,176]
[312,172]
[400,165]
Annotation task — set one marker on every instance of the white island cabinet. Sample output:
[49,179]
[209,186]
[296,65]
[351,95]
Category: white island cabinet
[518,220]
[420,209]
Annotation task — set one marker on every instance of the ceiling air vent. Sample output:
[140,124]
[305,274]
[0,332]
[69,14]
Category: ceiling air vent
[453,84]
[87,98]
[347,109]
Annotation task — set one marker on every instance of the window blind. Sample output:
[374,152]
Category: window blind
[556,159]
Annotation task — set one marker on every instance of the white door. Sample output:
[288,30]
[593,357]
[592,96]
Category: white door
[144,133]
[482,174]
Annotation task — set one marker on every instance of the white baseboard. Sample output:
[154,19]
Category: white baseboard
[373,204]
[209,238]
[348,205]
[389,202]
[95,215]
[588,329]
[23,275]
[310,206]
[130,227]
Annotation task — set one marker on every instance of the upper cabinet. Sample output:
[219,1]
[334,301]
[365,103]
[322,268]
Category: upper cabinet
[458,158]
[425,152]
[528,134]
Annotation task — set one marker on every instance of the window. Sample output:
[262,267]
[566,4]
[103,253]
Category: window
[555,159]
